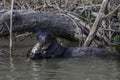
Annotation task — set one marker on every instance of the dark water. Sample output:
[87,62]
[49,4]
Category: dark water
[59,69]
[55,69]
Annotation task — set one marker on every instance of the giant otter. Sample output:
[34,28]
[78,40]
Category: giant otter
[48,48]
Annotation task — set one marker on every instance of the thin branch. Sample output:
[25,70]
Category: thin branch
[11,14]
[112,11]
[4,3]
[66,3]
[23,35]
[95,25]
[81,7]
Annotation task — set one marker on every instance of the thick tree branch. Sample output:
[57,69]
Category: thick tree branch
[32,21]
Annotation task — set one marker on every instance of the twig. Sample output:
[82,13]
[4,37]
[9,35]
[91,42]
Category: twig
[18,4]
[59,9]
[112,30]
[98,5]
[95,25]
[112,11]
[4,3]
[56,6]
[66,3]
[28,6]
[11,14]
[79,20]
[23,35]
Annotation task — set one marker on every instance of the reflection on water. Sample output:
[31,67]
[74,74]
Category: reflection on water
[59,69]
[55,69]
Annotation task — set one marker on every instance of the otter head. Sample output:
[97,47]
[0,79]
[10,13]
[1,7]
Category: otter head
[45,41]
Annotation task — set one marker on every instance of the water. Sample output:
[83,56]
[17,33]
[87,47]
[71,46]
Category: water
[59,69]
[55,69]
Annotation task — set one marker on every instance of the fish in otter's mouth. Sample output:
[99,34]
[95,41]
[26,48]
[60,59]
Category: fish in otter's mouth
[38,51]
[34,52]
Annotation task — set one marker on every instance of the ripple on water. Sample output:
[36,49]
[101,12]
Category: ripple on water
[59,69]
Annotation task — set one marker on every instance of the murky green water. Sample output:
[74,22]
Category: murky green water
[55,69]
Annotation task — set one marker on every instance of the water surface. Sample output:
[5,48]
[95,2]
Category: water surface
[55,69]
[59,69]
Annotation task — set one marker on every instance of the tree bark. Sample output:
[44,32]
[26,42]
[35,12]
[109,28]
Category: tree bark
[32,21]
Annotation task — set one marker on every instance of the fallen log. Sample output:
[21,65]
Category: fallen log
[32,21]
